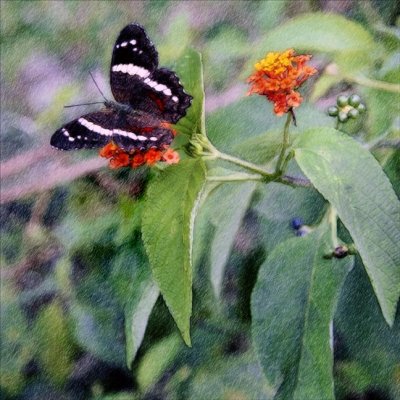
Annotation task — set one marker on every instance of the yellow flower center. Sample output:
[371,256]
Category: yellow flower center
[276,62]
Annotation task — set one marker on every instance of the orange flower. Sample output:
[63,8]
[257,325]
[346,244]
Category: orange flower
[119,160]
[137,160]
[277,77]
[171,156]
[109,150]
[152,156]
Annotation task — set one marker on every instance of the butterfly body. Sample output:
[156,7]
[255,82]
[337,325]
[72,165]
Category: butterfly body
[148,100]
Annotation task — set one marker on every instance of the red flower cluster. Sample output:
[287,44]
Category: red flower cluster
[121,158]
[277,77]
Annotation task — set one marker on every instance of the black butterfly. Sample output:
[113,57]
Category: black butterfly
[148,99]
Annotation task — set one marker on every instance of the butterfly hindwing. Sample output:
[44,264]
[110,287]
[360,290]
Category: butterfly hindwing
[135,79]
[142,133]
[87,132]
[127,131]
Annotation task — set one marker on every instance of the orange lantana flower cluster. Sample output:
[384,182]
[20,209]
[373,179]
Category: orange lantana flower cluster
[277,77]
[121,158]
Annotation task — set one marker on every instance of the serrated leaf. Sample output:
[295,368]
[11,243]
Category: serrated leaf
[318,31]
[167,228]
[292,308]
[350,178]
[189,68]
[230,205]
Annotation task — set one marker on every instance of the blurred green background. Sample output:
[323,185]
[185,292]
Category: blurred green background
[70,234]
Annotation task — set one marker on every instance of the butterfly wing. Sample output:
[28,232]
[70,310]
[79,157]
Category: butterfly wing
[87,132]
[135,79]
[142,133]
[99,128]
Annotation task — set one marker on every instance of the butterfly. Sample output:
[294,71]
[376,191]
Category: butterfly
[148,100]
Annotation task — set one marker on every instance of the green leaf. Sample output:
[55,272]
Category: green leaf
[319,32]
[54,343]
[350,178]
[369,341]
[137,312]
[292,308]
[167,230]
[16,342]
[261,149]
[190,71]
[230,203]
[238,378]
[278,205]
[244,122]
[157,360]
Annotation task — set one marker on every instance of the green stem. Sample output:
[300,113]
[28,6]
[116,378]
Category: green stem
[371,83]
[245,164]
[235,178]
[285,145]
[332,219]
[389,143]
[294,181]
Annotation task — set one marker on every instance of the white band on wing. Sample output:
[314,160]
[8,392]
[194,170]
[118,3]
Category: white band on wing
[95,128]
[132,136]
[131,69]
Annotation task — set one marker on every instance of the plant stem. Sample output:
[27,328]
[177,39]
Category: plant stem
[374,84]
[389,143]
[285,145]
[235,178]
[332,219]
[245,164]
[293,181]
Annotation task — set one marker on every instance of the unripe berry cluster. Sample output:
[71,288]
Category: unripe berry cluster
[348,107]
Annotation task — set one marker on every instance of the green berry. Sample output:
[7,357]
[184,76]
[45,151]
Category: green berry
[355,100]
[342,101]
[333,111]
[342,116]
[361,108]
[353,113]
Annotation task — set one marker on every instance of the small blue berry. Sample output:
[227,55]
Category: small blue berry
[297,223]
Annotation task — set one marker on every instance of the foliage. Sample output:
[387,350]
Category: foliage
[105,272]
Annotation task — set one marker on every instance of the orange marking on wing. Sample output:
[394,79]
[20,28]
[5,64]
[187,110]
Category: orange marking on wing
[158,101]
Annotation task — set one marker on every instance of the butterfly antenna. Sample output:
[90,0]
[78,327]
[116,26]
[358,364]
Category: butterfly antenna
[104,97]
[83,104]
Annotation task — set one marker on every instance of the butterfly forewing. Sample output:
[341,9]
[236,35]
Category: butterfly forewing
[135,79]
